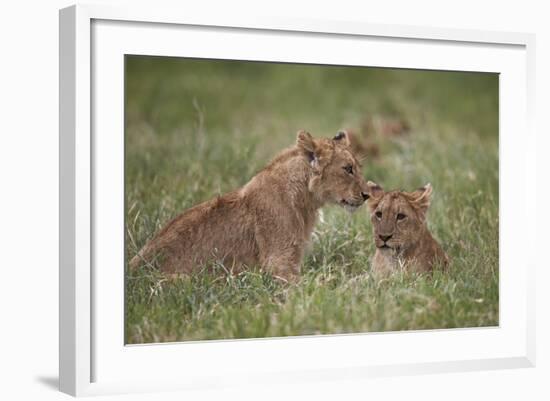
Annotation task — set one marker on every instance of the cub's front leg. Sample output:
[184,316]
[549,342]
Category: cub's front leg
[284,264]
[280,256]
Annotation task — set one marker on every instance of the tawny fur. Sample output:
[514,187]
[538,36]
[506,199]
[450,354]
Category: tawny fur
[268,222]
[401,235]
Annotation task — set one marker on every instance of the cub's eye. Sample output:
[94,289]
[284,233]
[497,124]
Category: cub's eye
[349,169]
[400,216]
[378,214]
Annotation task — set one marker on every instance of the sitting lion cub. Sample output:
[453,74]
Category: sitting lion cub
[400,232]
[267,222]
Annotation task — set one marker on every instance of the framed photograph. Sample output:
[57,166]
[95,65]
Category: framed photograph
[276,200]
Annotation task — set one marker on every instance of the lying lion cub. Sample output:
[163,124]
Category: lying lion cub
[269,221]
[400,232]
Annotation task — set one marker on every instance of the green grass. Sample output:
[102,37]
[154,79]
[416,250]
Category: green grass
[195,129]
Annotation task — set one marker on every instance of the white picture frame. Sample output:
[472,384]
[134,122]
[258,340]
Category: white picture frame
[91,40]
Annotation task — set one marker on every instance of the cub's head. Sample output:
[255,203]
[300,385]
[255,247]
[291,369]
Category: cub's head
[337,176]
[398,217]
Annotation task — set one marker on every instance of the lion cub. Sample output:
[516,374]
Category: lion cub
[400,232]
[267,222]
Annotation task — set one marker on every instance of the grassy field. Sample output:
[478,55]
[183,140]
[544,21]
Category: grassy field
[195,129]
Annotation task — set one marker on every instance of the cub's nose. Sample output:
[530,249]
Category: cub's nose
[365,195]
[385,237]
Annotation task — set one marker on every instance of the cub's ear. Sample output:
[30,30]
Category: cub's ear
[374,190]
[421,198]
[342,137]
[305,141]
[375,193]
